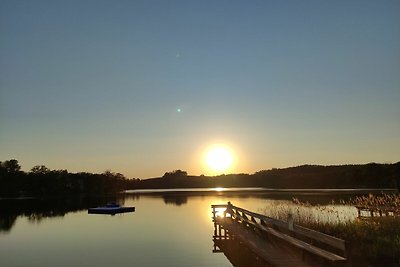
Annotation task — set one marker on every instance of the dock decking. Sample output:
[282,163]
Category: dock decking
[277,242]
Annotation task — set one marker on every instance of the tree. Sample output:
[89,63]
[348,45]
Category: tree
[40,170]
[175,174]
[11,166]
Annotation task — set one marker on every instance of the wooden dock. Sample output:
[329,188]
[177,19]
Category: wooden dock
[276,242]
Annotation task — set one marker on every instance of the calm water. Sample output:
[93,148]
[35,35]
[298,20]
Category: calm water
[167,229]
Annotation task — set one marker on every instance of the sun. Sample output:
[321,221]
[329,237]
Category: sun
[219,159]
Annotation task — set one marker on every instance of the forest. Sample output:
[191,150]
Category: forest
[41,181]
[372,175]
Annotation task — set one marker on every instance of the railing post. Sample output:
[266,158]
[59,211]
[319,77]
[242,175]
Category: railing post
[229,206]
[290,221]
[213,212]
[229,209]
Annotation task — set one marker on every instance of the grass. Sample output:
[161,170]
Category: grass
[379,202]
[374,241]
[304,213]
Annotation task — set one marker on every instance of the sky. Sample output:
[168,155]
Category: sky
[146,87]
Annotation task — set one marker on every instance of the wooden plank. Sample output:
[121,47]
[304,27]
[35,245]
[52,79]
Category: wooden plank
[298,243]
[303,245]
[269,252]
[298,231]
[262,217]
[327,239]
[219,206]
[318,236]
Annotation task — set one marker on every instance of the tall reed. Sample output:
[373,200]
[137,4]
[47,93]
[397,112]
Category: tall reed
[374,241]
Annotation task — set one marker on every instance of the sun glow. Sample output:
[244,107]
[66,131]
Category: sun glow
[219,159]
[219,189]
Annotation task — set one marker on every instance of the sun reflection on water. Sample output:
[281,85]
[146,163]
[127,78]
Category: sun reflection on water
[220,212]
[219,189]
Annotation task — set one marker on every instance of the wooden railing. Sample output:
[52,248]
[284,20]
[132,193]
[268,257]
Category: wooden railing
[367,211]
[301,238]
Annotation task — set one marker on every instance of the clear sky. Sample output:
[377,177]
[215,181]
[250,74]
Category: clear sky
[145,87]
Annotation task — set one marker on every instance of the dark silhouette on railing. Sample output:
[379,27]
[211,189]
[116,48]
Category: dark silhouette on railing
[275,241]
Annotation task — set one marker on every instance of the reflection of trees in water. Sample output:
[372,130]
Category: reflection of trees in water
[37,209]
[7,222]
[183,197]
[177,200]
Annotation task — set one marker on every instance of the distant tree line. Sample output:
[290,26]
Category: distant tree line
[43,181]
[370,175]
[40,180]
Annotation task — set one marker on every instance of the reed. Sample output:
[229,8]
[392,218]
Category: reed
[374,241]
[304,213]
[389,201]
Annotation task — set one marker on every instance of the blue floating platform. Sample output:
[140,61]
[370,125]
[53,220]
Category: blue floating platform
[111,209]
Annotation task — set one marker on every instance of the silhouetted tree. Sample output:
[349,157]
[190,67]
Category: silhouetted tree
[40,170]
[43,181]
[175,174]
[11,166]
[397,175]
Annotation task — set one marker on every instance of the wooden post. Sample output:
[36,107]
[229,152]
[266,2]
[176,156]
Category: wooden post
[228,210]
[290,221]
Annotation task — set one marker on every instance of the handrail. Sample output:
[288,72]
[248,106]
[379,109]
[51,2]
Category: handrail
[377,211]
[298,231]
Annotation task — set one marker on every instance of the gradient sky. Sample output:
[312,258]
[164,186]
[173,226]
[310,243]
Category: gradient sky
[96,85]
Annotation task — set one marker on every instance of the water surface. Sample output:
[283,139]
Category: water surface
[169,228]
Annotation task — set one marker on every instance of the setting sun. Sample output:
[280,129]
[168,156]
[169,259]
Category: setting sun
[219,159]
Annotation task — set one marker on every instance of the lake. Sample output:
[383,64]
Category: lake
[168,228]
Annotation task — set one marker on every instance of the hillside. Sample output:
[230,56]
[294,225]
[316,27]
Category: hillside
[370,175]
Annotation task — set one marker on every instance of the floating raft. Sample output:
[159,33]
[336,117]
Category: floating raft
[111,209]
